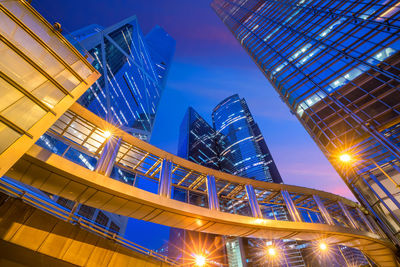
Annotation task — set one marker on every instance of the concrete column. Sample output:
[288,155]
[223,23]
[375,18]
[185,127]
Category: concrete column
[348,215]
[294,213]
[213,202]
[106,162]
[165,183]
[324,212]
[255,208]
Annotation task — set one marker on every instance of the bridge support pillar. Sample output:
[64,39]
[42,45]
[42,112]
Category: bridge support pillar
[324,212]
[108,156]
[165,183]
[213,202]
[255,208]
[294,213]
[348,215]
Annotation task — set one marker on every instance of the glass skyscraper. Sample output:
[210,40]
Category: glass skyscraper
[336,65]
[234,145]
[242,148]
[134,69]
[197,140]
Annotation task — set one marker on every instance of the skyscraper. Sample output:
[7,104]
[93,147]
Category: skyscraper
[336,65]
[234,145]
[134,69]
[241,143]
[197,140]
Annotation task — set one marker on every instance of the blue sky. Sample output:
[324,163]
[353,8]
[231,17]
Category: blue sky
[209,65]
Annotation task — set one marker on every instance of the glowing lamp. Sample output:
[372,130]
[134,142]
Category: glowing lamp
[200,260]
[345,158]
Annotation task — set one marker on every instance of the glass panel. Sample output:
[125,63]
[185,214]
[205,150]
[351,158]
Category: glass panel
[48,94]
[7,137]
[24,113]
[19,70]
[8,94]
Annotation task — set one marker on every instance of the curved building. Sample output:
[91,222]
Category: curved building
[243,150]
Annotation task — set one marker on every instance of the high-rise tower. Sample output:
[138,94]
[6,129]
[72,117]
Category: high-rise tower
[336,65]
[134,69]
[234,145]
[241,143]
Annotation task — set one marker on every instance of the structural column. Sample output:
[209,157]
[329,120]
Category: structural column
[294,213]
[108,156]
[213,202]
[348,215]
[165,183]
[255,208]
[324,212]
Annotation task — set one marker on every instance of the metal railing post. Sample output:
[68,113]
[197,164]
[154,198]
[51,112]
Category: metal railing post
[324,212]
[107,159]
[213,202]
[348,215]
[255,208]
[165,183]
[294,213]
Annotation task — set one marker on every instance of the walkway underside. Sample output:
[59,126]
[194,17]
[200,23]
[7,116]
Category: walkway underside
[56,175]
[31,237]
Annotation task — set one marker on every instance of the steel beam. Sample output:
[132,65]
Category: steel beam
[324,212]
[366,221]
[348,215]
[294,213]
[164,185]
[213,202]
[255,208]
[108,156]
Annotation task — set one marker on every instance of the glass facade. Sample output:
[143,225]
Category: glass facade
[242,148]
[197,140]
[134,69]
[40,76]
[234,145]
[336,65]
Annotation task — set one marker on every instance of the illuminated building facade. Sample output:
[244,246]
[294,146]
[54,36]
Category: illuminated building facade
[234,145]
[336,65]
[134,69]
[241,143]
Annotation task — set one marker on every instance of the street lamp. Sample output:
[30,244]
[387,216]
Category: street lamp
[345,157]
[107,134]
[272,251]
[323,246]
[200,260]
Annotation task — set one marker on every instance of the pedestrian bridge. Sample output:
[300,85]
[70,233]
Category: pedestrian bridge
[119,173]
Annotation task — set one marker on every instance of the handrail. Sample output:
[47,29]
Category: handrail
[47,205]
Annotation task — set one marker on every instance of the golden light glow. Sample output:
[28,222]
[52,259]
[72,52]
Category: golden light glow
[345,157]
[107,134]
[323,246]
[272,251]
[200,260]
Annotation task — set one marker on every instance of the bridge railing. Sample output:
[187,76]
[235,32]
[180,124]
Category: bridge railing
[86,139]
[47,205]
